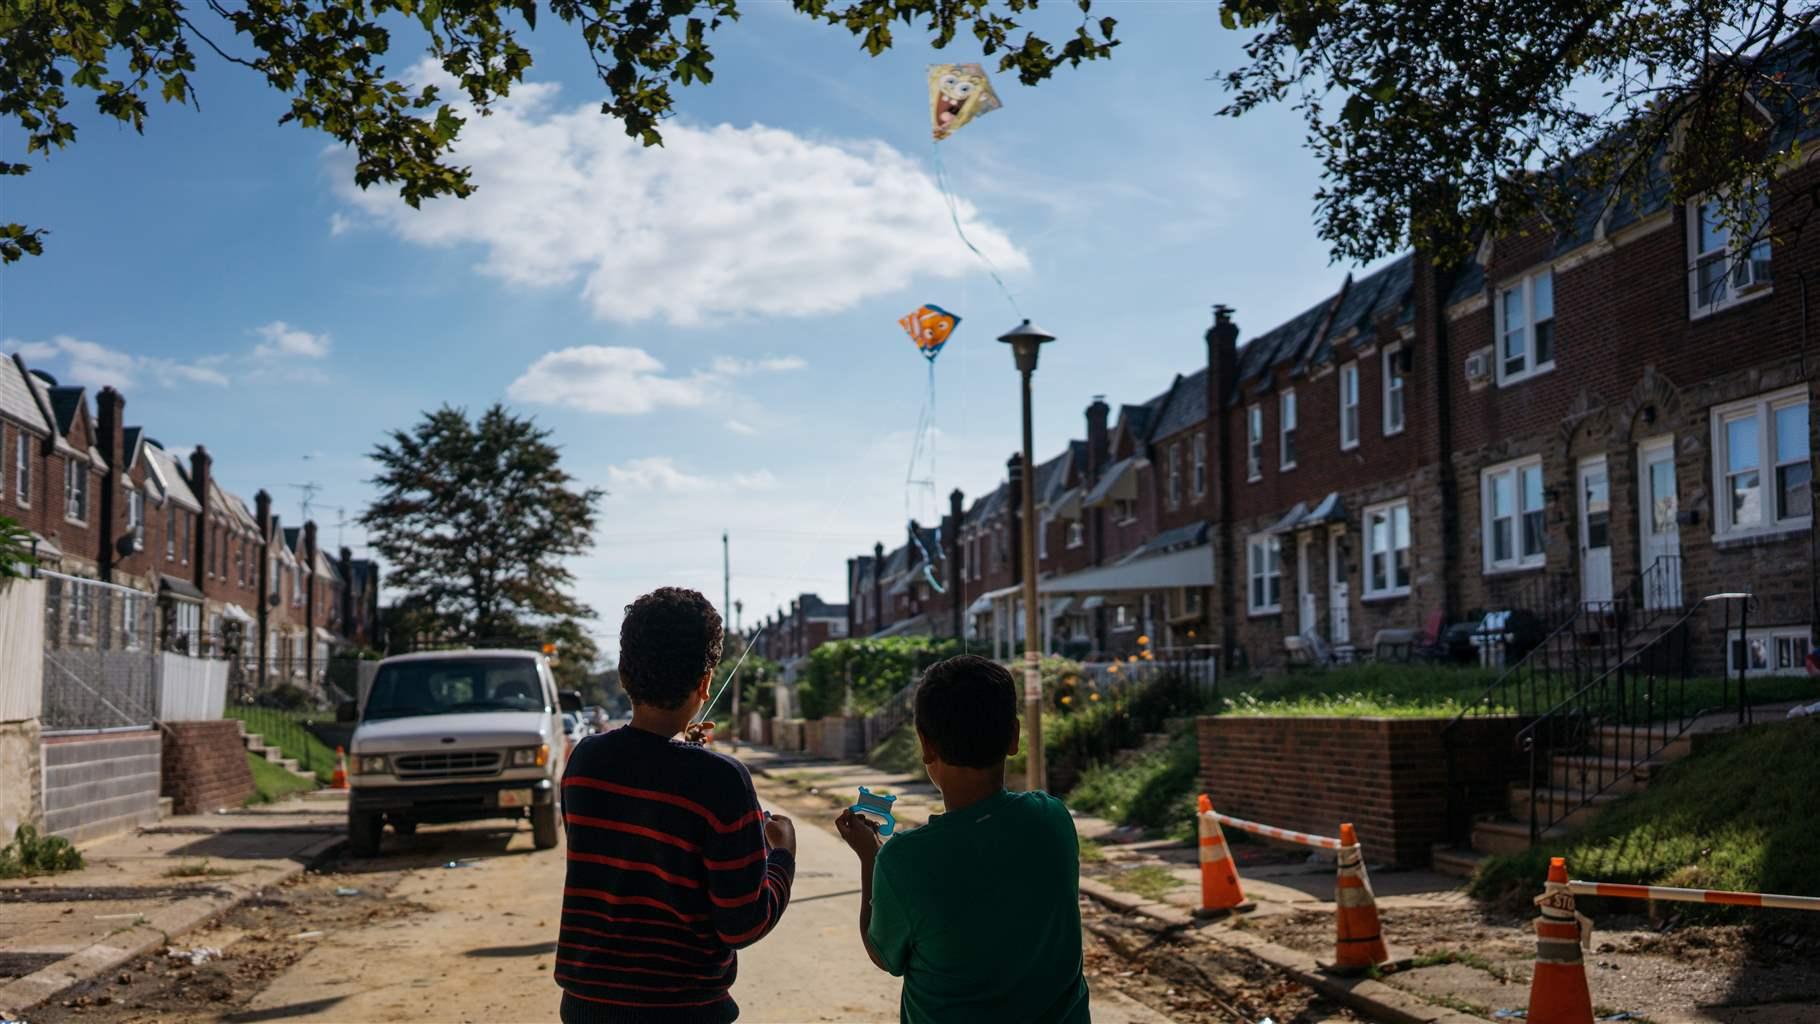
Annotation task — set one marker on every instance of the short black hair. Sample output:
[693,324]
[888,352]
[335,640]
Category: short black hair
[966,708]
[671,637]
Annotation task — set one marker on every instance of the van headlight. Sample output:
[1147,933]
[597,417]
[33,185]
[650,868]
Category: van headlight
[531,757]
[370,764]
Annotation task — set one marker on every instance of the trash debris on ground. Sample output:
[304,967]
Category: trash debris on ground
[196,957]
[346,890]
[457,864]
[307,935]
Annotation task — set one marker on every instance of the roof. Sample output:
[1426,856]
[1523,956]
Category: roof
[1185,406]
[1136,420]
[1112,477]
[41,390]
[1190,535]
[66,403]
[17,399]
[229,504]
[130,440]
[988,506]
[169,477]
[1384,293]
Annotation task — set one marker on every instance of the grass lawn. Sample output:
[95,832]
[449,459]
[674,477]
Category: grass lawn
[1154,791]
[272,783]
[899,752]
[284,730]
[1149,881]
[1737,815]
[1369,689]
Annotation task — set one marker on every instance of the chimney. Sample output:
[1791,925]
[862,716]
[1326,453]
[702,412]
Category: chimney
[262,509]
[1014,496]
[878,586]
[310,614]
[110,407]
[957,590]
[1099,441]
[1222,374]
[201,466]
[347,592]
[852,594]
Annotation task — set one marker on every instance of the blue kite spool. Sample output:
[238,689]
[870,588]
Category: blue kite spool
[878,805]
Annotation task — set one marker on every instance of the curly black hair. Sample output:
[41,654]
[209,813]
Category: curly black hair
[670,638]
[966,708]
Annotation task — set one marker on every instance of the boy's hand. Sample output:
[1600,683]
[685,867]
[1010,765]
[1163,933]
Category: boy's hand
[780,832]
[860,832]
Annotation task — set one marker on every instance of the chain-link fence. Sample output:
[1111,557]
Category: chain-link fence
[99,654]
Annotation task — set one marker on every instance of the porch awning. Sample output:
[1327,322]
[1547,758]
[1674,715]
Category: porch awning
[45,549]
[1057,609]
[1096,601]
[1291,519]
[1332,509]
[324,636]
[1188,567]
[1067,505]
[235,612]
[1119,484]
[915,624]
[981,605]
[171,586]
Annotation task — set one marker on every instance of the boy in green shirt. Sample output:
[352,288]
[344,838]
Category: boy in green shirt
[979,910]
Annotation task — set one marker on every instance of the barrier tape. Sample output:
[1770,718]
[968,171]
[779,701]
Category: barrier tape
[1663,892]
[1303,838]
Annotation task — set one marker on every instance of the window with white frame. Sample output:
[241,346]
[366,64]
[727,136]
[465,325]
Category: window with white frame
[1387,549]
[1526,328]
[1200,465]
[1760,451]
[1123,617]
[183,553]
[1042,537]
[135,509]
[1124,511]
[1730,260]
[1175,474]
[1776,651]
[1511,497]
[75,490]
[1393,389]
[1286,420]
[1264,565]
[1349,405]
[170,530]
[22,469]
[1077,534]
[1254,442]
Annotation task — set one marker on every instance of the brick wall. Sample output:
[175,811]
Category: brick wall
[1386,776]
[205,766]
[100,785]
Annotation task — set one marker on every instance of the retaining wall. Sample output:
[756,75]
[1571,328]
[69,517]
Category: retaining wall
[21,777]
[101,784]
[205,766]
[1387,776]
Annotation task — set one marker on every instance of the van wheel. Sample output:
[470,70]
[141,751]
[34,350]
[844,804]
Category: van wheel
[543,826]
[364,829]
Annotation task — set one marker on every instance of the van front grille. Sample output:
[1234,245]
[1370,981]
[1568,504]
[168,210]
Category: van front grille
[452,765]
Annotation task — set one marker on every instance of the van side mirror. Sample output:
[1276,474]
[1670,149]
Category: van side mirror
[569,700]
[347,711]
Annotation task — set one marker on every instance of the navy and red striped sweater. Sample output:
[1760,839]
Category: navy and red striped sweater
[668,874]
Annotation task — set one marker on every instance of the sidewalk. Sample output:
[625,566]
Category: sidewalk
[139,891]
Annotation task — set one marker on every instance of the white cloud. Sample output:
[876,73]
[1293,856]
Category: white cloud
[281,339]
[762,480]
[656,473]
[730,367]
[719,222]
[608,379]
[339,224]
[92,364]
[741,427]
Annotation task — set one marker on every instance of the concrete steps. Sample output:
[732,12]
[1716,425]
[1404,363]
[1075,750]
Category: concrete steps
[1457,863]
[256,746]
[1569,809]
[1495,838]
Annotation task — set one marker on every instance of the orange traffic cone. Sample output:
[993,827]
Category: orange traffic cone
[340,779]
[1360,942]
[1220,892]
[1557,991]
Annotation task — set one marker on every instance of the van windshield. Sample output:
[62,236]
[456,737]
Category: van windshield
[454,686]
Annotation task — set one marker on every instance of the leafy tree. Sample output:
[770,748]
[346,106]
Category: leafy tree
[1437,120]
[869,671]
[329,59]
[15,550]
[476,519]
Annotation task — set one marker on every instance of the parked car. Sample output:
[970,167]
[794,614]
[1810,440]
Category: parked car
[452,736]
[575,726]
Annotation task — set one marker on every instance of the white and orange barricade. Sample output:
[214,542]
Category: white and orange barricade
[1557,991]
[1272,832]
[1719,897]
[1220,892]
[1359,942]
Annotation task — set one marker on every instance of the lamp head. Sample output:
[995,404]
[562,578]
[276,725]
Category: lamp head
[1025,340]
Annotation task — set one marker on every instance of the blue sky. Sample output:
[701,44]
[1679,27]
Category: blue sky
[709,328]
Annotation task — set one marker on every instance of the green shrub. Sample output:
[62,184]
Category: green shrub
[1154,791]
[286,697]
[870,670]
[15,549]
[32,854]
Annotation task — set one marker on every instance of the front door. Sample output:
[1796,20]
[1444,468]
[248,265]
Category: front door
[1595,531]
[1339,608]
[1304,582]
[1659,507]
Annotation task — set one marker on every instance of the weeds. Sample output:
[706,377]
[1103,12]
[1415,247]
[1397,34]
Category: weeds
[32,854]
[1149,881]
[200,869]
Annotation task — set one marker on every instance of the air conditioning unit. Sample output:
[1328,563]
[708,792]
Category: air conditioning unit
[1478,366]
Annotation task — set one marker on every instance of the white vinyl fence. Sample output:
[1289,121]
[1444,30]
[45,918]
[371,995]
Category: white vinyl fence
[191,689]
[21,649]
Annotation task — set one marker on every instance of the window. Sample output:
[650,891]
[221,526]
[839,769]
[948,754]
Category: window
[135,510]
[1393,389]
[1042,537]
[1511,496]
[1526,328]
[1781,651]
[1077,534]
[1761,453]
[1175,474]
[1124,511]
[1349,405]
[170,531]
[1265,568]
[240,560]
[1728,266]
[1122,618]
[75,490]
[1387,550]
[1286,429]
[22,468]
[1200,465]
[183,553]
[1254,437]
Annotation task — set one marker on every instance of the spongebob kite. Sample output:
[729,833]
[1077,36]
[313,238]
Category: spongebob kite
[958,94]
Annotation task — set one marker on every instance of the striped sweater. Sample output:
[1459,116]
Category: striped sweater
[668,874]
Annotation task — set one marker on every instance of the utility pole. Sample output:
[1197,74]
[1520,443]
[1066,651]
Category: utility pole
[726,607]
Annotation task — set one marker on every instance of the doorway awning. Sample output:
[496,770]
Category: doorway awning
[1119,484]
[172,586]
[1332,509]
[1067,506]
[1187,567]
[235,612]
[1057,609]
[1291,519]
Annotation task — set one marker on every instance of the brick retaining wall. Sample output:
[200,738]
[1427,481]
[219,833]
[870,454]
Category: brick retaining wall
[1387,776]
[205,766]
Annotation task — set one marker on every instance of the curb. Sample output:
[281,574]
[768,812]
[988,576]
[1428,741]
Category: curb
[1375,999]
[155,932]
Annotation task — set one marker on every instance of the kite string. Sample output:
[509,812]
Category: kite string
[941,181]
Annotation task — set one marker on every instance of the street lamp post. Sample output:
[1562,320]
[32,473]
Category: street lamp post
[1026,339]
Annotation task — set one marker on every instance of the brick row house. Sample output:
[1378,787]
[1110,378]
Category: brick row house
[202,572]
[1621,411]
